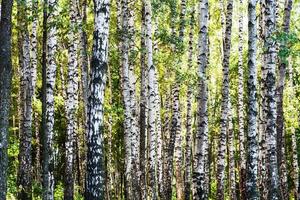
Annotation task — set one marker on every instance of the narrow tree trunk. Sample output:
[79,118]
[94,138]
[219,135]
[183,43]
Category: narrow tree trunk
[95,171]
[143,109]
[262,121]
[269,100]
[294,156]
[131,135]
[152,192]
[37,162]
[48,154]
[201,141]
[178,154]
[252,133]
[295,171]
[71,102]
[171,144]
[159,164]
[34,43]
[24,179]
[281,158]
[240,111]
[166,139]
[189,133]
[5,89]
[84,57]
[225,101]
[85,85]
[34,61]
[231,159]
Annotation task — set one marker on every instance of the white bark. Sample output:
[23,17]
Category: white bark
[241,109]
[95,174]
[201,141]
[252,132]
[72,100]
[225,101]
[48,151]
[189,133]
[131,121]
[269,101]
[231,159]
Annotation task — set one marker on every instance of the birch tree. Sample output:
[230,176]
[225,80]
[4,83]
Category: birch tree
[33,62]
[201,141]
[281,158]
[26,94]
[240,110]
[176,130]
[178,153]
[189,134]
[252,134]
[295,166]
[131,135]
[95,170]
[72,100]
[225,101]
[231,159]
[48,151]
[152,133]
[5,89]
[143,108]
[269,100]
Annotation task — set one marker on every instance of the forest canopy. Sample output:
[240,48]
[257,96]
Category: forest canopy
[149,99]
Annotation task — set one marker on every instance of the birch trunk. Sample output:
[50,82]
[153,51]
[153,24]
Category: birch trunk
[176,129]
[262,121]
[143,109]
[34,60]
[95,171]
[201,141]
[84,60]
[34,43]
[225,102]
[171,129]
[152,191]
[130,123]
[252,132]
[167,139]
[231,163]
[24,179]
[5,89]
[295,171]
[189,133]
[48,152]
[269,100]
[71,102]
[294,156]
[159,158]
[178,154]
[281,158]
[240,111]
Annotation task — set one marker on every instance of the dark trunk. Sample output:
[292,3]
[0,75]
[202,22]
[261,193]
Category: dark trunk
[5,89]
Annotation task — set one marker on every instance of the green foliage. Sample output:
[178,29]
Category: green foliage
[289,44]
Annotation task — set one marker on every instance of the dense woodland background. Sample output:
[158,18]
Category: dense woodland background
[149,99]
